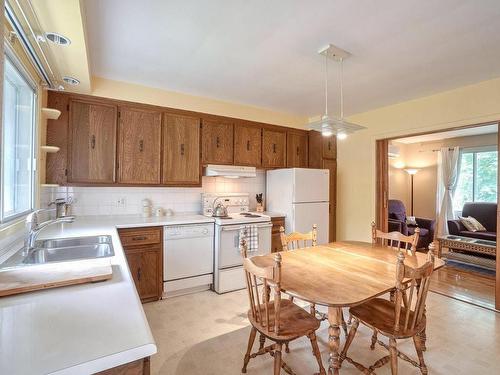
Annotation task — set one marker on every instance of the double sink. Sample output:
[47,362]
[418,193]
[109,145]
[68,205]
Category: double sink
[63,250]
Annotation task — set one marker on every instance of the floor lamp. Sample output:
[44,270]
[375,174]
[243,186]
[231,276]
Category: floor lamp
[412,172]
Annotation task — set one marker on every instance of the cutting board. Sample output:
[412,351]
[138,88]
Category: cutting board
[55,275]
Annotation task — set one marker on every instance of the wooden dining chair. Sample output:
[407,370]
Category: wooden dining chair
[277,319]
[400,319]
[396,240]
[296,240]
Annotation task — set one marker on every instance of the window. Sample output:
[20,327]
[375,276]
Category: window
[18,143]
[477,179]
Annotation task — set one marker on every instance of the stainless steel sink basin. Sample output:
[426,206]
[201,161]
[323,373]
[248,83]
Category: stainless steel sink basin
[69,249]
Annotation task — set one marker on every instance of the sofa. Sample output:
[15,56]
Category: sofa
[397,223]
[485,213]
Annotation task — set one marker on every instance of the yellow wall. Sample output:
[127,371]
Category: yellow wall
[356,155]
[142,94]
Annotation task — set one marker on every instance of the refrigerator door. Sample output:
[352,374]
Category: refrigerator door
[307,214]
[311,185]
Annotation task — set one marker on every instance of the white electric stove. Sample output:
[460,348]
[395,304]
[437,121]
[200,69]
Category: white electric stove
[228,269]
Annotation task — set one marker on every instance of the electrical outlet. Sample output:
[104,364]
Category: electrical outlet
[121,202]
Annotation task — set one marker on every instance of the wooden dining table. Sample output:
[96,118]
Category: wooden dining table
[340,274]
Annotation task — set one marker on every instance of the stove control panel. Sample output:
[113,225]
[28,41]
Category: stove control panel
[234,202]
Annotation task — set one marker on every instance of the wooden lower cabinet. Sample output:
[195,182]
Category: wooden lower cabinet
[145,260]
[139,367]
[275,233]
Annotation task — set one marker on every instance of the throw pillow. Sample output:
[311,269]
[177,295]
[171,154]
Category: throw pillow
[472,224]
[411,220]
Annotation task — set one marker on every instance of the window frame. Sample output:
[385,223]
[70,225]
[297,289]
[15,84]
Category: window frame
[474,151]
[10,55]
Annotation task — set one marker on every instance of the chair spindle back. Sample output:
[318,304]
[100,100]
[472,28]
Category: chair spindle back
[269,277]
[296,240]
[396,240]
[412,285]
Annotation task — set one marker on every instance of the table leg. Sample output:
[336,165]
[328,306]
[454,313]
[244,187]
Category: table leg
[335,320]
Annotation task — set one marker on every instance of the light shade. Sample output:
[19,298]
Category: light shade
[330,125]
[411,171]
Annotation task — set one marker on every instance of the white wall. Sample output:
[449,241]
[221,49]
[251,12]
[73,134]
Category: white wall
[104,200]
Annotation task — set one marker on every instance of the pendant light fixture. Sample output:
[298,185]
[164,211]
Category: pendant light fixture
[331,125]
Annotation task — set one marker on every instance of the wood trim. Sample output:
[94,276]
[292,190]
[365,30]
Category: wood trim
[497,281]
[382,185]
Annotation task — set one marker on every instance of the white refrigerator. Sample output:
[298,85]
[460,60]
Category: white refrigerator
[301,194]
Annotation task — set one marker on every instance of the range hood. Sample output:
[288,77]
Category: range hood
[229,171]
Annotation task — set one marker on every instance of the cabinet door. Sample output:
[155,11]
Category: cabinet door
[93,142]
[330,147]
[315,149]
[217,142]
[296,150]
[331,165]
[273,148]
[139,146]
[181,150]
[144,264]
[247,145]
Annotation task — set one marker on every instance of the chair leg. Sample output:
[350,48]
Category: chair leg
[277,358]
[349,339]
[423,339]
[349,321]
[312,308]
[344,325]
[418,347]
[394,356]
[262,341]
[251,340]
[374,340]
[317,353]
[287,349]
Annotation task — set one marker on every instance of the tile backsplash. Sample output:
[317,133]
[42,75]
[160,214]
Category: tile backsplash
[128,200]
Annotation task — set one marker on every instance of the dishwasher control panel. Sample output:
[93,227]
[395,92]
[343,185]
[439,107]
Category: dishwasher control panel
[188,231]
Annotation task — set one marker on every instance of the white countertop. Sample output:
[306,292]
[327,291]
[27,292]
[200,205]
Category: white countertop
[81,329]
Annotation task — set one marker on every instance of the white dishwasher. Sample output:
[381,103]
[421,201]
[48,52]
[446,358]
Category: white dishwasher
[188,258]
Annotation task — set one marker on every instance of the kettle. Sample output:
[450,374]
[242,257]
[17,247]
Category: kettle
[219,211]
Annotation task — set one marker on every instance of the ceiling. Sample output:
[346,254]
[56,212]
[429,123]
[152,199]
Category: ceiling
[264,53]
[478,130]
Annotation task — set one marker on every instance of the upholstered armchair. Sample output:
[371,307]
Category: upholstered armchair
[397,222]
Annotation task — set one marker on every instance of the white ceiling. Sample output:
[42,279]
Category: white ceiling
[264,53]
[479,130]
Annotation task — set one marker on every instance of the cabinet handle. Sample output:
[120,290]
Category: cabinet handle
[139,238]
[139,274]
[248,145]
[329,145]
[217,142]
[274,148]
[297,151]
[182,149]
[92,141]
[141,145]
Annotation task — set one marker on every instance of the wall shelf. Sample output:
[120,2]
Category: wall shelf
[50,113]
[50,149]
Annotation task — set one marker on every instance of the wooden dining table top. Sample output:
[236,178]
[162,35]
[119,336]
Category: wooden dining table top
[341,274]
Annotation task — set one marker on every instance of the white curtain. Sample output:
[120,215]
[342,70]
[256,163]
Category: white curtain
[448,160]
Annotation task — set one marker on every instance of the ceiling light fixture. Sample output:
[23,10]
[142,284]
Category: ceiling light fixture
[71,81]
[58,39]
[332,125]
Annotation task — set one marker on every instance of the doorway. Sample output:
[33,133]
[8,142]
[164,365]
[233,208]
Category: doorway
[408,185]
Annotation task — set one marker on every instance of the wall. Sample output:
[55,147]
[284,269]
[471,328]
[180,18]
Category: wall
[149,95]
[104,200]
[472,104]
[424,157]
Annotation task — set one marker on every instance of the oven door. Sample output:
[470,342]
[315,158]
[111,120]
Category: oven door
[228,239]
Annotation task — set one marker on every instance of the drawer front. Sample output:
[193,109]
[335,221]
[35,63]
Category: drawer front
[138,237]
[277,223]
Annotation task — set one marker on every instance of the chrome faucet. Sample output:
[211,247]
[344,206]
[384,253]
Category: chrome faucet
[34,227]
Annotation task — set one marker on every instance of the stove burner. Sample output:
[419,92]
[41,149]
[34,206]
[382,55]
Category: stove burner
[248,214]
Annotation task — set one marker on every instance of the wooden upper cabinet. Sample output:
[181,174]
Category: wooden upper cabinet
[297,151]
[139,145]
[217,142]
[315,149]
[93,142]
[181,150]
[247,145]
[58,135]
[273,148]
[330,147]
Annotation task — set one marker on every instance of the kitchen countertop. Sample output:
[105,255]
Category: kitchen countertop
[273,214]
[81,329]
